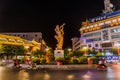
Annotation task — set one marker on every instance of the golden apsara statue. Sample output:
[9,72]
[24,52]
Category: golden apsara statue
[59,35]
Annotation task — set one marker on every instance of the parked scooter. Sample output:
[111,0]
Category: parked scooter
[16,65]
[101,65]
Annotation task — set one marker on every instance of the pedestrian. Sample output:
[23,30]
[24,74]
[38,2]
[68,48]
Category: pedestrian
[15,63]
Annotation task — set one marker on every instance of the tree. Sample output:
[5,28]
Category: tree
[89,51]
[49,55]
[78,53]
[115,51]
[99,54]
[65,53]
[11,50]
[92,52]
[1,52]
[68,53]
[38,53]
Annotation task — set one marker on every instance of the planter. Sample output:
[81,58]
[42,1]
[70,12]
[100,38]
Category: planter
[59,63]
[59,60]
[90,61]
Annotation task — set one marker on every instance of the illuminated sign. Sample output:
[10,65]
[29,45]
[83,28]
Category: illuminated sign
[110,57]
[105,16]
[58,53]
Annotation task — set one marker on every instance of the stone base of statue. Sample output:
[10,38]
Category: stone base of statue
[58,53]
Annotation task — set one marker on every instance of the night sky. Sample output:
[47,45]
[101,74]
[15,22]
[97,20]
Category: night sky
[43,16]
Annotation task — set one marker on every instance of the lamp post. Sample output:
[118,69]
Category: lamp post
[47,49]
[85,49]
[47,55]
[118,49]
[69,50]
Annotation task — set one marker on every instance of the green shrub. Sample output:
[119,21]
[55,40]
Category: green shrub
[99,54]
[36,60]
[67,61]
[59,59]
[43,61]
[74,61]
[94,60]
[83,60]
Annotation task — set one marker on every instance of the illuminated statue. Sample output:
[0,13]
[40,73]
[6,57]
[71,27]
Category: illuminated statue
[59,37]
[108,6]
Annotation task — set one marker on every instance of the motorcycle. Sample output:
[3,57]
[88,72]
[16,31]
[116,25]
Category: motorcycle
[101,67]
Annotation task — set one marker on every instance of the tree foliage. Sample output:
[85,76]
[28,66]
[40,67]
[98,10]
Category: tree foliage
[13,49]
[92,52]
[78,53]
[115,51]
[99,54]
[38,53]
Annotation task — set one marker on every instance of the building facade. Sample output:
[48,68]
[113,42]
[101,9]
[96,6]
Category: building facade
[30,37]
[75,43]
[101,32]
[37,36]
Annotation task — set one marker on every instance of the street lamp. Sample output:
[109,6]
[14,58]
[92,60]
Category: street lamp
[26,47]
[47,49]
[69,49]
[117,45]
[85,49]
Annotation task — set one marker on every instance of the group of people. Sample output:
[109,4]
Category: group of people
[17,64]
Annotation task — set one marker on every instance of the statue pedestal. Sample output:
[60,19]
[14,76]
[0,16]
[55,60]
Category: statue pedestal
[58,53]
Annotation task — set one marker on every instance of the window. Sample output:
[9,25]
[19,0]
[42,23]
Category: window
[36,35]
[89,45]
[93,39]
[23,35]
[26,35]
[97,39]
[92,34]
[96,45]
[105,35]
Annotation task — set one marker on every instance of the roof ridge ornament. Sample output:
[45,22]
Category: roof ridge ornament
[85,23]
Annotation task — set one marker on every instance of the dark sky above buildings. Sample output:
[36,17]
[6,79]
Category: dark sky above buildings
[43,16]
